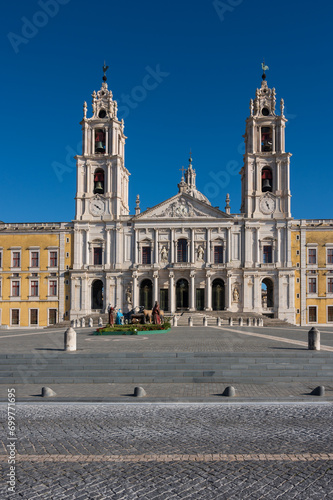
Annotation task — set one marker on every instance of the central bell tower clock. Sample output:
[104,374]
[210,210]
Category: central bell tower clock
[265,173]
[102,179]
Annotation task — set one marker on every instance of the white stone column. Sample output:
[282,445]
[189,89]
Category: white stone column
[288,244]
[155,286]
[208,292]
[274,139]
[278,248]
[192,259]
[156,247]
[84,289]
[228,292]
[93,141]
[107,260]
[208,247]
[192,291]
[257,294]
[172,293]
[85,149]
[107,140]
[135,290]
[172,247]
[229,244]
[257,246]
[87,256]
[248,257]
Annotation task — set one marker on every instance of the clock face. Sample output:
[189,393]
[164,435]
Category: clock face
[267,205]
[97,207]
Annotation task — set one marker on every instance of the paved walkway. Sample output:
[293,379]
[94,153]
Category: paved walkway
[183,339]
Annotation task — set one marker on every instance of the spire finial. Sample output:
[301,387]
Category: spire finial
[264,68]
[105,68]
[183,170]
[190,159]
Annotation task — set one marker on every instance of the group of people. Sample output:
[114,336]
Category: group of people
[156,314]
[119,316]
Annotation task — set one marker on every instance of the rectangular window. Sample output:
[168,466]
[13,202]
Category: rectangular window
[312,285]
[329,256]
[146,255]
[53,259]
[97,256]
[312,255]
[15,317]
[330,313]
[218,254]
[329,285]
[182,250]
[33,316]
[34,259]
[15,288]
[312,314]
[53,288]
[34,289]
[52,316]
[16,259]
[267,255]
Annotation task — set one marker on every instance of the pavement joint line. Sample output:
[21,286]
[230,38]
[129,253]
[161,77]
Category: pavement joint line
[200,457]
[270,337]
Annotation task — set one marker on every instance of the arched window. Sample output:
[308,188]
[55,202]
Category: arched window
[182,250]
[100,141]
[267,293]
[266,139]
[99,182]
[97,295]
[266,180]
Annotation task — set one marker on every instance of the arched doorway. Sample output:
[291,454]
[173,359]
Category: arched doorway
[218,295]
[182,294]
[97,295]
[146,294]
[267,293]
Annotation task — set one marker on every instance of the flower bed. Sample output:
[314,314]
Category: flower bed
[133,329]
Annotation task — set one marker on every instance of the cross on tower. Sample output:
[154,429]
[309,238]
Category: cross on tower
[183,170]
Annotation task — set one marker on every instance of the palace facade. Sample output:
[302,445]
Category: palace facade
[183,252]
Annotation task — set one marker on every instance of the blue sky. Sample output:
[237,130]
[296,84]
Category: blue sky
[209,54]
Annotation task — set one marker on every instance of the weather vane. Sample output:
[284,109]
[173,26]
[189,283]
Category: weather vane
[105,68]
[264,68]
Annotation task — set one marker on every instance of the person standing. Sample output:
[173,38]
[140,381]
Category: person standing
[156,314]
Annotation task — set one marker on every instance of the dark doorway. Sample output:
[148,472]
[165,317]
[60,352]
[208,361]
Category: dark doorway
[164,299]
[97,295]
[146,294]
[182,294]
[218,293]
[200,299]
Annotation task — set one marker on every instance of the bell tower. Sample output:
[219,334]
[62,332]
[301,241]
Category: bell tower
[265,173]
[102,179]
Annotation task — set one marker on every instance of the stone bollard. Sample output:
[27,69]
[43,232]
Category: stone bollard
[83,322]
[139,392]
[91,322]
[229,392]
[260,322]
[218,322]
[230,321]
[248,321]
[47,392]
[190,321]
[240,321]
[70,340]
[205,321]
[314,339]
[100,321]
[175,321]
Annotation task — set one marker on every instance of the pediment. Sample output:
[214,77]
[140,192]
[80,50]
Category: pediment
[182,206]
